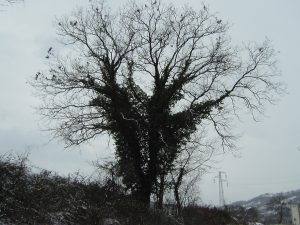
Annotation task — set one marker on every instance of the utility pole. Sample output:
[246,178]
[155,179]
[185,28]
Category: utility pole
[222,177]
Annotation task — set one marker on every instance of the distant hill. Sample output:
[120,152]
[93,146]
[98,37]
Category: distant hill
[261,203]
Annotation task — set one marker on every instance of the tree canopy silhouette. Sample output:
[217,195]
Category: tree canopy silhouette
[150,76]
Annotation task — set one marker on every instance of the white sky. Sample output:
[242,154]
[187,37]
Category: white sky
[269,159]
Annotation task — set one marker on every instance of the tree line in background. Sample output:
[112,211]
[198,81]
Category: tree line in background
[164,83]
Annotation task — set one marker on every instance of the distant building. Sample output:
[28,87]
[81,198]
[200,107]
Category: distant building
[294,214]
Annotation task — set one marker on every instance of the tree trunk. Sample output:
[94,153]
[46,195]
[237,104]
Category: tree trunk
[161,192]
[143,193]
[177,185]
[280,213]
[177,198]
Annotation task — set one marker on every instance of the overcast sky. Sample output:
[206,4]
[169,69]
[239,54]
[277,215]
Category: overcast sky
[268,160]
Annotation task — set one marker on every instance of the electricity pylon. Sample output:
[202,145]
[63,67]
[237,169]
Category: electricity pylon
[222,177]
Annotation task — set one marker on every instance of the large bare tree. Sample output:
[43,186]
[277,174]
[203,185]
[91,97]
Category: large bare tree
[150,75]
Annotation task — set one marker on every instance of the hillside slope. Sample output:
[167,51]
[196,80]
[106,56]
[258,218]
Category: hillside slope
[261,203]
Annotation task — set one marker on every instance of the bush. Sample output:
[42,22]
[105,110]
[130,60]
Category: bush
[48,199]
[198,215]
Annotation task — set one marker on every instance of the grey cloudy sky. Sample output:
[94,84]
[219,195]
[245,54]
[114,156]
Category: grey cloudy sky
[268,159]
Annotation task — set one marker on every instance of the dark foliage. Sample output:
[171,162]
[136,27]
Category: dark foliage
[196,215]
[27,198]
[47,199]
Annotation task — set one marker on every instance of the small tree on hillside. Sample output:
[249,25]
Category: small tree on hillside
[193,161]
[278,205]
[149,75]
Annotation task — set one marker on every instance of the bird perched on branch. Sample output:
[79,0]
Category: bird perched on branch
[73,23]
[37,75]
